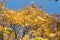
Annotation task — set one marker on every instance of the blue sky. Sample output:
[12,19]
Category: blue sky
[49,6]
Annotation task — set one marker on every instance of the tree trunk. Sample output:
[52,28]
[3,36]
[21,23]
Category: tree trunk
[1,35]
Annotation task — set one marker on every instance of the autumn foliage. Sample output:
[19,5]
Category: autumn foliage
[38,21]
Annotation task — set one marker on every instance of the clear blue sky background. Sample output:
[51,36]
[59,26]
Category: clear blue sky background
[49,6]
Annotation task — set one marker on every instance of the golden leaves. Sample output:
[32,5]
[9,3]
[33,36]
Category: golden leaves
[25,37]
[28,18]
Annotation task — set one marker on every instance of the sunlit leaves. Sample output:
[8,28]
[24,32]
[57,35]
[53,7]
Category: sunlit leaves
[25,37]
[38,38]
[9,30]
[38,21]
